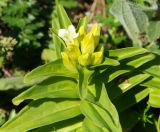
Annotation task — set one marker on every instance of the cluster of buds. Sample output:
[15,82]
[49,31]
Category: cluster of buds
[82,48]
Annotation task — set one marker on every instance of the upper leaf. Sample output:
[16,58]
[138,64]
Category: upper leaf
[54,87]
[55,68]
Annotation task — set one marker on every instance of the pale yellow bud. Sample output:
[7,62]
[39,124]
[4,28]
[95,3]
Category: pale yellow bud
[95,30]
[67,63]
[82,31]
[97,58]
[74,42]
[73,52]
[84,59]
[88,44]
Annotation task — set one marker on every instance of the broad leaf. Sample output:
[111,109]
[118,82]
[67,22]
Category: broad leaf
[99,116]
[153,70]
[130,98]
[132,81]
[54,87]
[89,126]
[55,68]
[126,52]
[48,55]
[124,84]
[153,82]
[63,126]
[133,19]
[105,102]
[154,97]
[40,113]
[15,83]
[128,65]
[107,62]
[154,30]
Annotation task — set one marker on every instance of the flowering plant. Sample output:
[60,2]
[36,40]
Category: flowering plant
[81,90]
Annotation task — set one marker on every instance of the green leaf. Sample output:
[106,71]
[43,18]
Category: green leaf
[133,81]
[141,60]
[128,65]
[48,55]
[127,82]
[54,87]
[12,83]
[62,16]
[84,75]
[154,97]
[116,72]
[55,38]
[130,98]
[55,68]
[152,83]
[98,115]
[107,62]
[126,52]
[89,126]
[63,126]
[153,70]
[40,113]
[108,106]
[101,99]
[153,30]
[133,19]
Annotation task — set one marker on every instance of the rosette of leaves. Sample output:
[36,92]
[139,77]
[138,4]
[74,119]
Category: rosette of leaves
[91,98]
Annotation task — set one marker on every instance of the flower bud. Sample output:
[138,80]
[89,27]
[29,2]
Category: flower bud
[82,31]
[97,58]
[73,52]
[67,63]
[95,30]
[88,44]
[84,59]
[74,42]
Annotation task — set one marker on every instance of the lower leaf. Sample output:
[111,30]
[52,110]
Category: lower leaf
[40,113]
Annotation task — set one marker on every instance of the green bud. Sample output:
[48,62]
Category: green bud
[84,59]
[88,44]
[67,63]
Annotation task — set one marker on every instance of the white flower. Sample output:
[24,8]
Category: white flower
[68,34]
